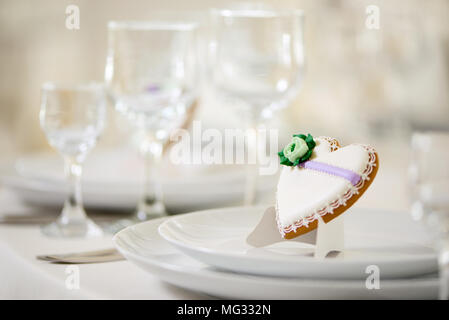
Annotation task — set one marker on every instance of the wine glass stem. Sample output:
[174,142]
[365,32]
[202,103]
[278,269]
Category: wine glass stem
[151,202]
[443,261]
[73,207]
[253,163]
[152,187]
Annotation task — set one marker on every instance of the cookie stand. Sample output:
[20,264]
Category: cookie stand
[326,237]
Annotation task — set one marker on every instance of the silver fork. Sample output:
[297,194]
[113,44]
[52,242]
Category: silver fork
[97,256]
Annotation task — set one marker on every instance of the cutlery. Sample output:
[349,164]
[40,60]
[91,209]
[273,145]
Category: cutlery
[98,256]
[33,219]
[26,219]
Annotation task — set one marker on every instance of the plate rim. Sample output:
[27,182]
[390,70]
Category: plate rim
[251,278]
[427,257]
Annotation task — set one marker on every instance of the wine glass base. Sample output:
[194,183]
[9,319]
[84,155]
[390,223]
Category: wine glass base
[143,213]
[153,211]
[85,228]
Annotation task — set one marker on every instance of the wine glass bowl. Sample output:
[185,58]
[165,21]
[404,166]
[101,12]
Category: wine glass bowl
[257,57]
[72,118]
[150,71]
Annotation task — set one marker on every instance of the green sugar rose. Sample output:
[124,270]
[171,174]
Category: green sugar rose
[295,149]
[298,150]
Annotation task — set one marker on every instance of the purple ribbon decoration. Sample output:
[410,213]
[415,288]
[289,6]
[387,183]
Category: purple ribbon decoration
[349,175]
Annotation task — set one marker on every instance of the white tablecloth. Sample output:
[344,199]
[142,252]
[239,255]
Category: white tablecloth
[22,276]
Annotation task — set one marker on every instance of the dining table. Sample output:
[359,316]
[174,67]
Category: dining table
[23,276]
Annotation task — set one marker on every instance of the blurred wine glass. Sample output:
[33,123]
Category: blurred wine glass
[151,75]
[256,60]
[72,118]
[429,175]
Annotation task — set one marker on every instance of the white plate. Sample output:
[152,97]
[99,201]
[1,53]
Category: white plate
[112,179]
[142,245]
[388,240]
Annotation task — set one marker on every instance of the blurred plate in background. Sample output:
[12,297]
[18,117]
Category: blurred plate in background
[112,179]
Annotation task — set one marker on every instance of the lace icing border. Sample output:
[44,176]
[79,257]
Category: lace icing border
[340,201]
[333,143]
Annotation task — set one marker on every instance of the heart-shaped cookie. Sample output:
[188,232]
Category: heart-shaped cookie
[324,186]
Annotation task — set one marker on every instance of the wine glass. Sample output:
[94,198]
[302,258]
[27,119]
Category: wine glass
[257,61]
[151,73]
[72,118]
[429,175]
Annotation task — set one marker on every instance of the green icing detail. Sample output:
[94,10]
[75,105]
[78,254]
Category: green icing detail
[298,150]
[295,149]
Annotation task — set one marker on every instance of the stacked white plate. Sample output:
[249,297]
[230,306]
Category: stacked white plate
[206,251]
[112,179]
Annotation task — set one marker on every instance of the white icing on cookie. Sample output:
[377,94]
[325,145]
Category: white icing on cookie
[323,146]
[305,194]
